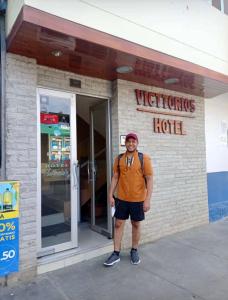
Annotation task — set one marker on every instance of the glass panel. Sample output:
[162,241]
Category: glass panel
[55,170]
[100,167]
[217,4]
[226,7]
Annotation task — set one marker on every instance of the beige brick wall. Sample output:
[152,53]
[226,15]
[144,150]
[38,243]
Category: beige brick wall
[179,199]
[59,80]
[21,152]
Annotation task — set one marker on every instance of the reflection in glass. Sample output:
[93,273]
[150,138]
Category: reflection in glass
[217,4]
[55,170]
[100,167]
[226,7]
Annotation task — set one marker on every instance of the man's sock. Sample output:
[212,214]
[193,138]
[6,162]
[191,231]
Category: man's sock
[117,252]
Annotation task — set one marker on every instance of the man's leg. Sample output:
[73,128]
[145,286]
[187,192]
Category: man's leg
[135,234]
[118,233]
[135,260]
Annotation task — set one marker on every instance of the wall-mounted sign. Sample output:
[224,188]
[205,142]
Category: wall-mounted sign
[158,103]
[164,101]
[223,133]
[75,83]
[9,227]
[122,140]
[168,126]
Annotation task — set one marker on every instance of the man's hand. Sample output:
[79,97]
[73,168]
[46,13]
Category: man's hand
[146,205]
[112,188]
[111,201]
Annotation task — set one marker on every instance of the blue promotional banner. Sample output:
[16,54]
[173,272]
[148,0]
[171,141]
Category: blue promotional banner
[9,246]
[9,227]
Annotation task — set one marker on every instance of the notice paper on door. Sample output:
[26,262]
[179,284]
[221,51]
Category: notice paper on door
[113,211]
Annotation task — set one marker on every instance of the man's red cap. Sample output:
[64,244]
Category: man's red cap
[131,135]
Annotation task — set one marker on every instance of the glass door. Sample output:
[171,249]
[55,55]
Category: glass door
[99,168]
[57,171]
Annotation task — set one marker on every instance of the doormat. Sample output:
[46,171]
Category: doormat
[54,230]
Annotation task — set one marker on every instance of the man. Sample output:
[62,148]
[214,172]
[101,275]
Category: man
[134,181]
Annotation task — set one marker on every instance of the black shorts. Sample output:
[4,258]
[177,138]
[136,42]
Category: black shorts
[124,209]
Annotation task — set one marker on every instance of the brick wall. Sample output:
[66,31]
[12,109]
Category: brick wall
[179,199]
[56,79]
[21,151]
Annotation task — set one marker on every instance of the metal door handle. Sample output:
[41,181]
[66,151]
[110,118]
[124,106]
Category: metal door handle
[75,175]
[88,170]
[94,171]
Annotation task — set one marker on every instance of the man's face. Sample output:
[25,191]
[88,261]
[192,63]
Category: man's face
[131,144]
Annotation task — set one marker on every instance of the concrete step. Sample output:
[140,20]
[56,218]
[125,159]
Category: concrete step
[70,257]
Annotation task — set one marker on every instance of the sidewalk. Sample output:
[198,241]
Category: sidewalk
[184,266]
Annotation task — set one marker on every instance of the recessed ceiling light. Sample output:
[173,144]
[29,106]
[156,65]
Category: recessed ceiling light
[57,53]
[124,69]
[171,80]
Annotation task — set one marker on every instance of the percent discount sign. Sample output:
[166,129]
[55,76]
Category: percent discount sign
[9,248]
[9,227]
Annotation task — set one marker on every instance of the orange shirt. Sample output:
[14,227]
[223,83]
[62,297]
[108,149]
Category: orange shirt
[131,185]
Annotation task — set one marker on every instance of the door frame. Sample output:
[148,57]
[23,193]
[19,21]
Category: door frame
[109,231]
[73,163]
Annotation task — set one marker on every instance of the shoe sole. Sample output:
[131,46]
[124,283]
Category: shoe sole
[135,263]
[113,263]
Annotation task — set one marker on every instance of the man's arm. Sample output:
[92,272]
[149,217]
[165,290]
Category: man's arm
[149,183]
[112,188]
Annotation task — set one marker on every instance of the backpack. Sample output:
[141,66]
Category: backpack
[140,155]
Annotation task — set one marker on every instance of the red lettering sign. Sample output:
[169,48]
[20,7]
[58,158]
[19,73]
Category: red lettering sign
[165,101]
[168,126]
[49,119]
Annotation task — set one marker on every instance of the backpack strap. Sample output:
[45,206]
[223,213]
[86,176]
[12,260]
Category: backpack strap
[140,155]
[118,166]
[141,158]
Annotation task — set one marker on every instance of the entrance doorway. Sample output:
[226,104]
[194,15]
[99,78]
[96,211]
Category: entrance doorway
[73,170]
[93,152]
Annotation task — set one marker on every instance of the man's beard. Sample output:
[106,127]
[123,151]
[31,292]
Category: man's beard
[131,150]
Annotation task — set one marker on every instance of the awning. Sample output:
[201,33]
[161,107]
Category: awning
[86,51]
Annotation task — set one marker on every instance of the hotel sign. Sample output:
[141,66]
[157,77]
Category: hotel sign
[162,104]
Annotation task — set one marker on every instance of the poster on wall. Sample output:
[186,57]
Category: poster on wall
[9,227]
[223,133]
[122,140]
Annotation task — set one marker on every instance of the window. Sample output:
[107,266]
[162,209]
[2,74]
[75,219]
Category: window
[217,4]
[222,5]
[225,6]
